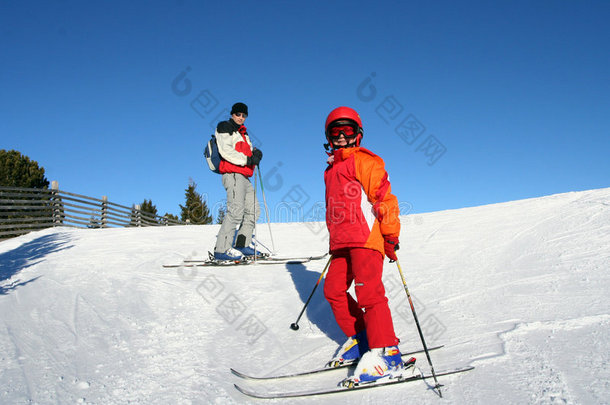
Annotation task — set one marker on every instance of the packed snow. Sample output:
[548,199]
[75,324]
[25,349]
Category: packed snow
[519,290]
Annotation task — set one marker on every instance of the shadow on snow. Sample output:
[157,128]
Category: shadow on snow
[26,255]
[318,310]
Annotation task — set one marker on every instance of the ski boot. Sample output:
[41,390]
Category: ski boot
[351,351]
[230,255]
[250,253]
[377,364]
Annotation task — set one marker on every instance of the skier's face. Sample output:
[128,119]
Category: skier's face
[339,141]
[343,141]
[342,134]
[239,118]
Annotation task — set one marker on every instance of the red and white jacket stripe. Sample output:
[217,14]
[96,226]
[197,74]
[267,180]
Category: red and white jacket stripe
[235,147]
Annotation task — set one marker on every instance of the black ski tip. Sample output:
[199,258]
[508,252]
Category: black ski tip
[249,377]
[252,393]
[237,373]
[240,389]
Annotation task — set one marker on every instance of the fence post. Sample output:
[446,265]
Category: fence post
[55,203]
[138,216]
[104,216]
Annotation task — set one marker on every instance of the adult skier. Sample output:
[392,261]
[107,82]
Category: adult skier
[239,158]
[362,220]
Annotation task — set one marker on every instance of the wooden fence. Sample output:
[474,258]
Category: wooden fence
[23,210]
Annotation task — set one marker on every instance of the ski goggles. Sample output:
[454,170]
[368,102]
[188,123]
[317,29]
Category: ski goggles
[349,131]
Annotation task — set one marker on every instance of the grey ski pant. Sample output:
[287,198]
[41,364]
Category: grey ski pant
[242,210]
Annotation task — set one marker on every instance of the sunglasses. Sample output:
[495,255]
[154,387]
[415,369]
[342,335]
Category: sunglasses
[348,131]
[241,115]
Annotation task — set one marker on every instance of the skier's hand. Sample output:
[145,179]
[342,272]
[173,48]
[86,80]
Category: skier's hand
[255,159]
[390,245]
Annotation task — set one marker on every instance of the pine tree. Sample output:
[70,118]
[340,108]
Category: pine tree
[94,223]
[17,170]
[147,207]
[196,210]
[222,212]
[171,216]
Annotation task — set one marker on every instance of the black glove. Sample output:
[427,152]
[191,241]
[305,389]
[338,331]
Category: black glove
[256,157]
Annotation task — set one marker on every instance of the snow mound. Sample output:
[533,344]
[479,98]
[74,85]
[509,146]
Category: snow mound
[519,290]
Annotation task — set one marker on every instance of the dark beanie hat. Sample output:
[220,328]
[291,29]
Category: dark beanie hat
[239,108]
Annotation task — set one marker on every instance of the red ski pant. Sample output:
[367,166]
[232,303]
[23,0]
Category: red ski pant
[371,311]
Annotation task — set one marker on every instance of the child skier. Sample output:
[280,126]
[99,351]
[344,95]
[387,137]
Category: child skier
[362,220]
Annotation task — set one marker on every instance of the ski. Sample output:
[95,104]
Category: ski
[308,258]
[260,260]
[261,256]
[338,389]
[318,370]
[211,263]
[229,263]
[267,257]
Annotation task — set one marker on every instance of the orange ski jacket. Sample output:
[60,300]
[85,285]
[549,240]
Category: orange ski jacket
[360,208]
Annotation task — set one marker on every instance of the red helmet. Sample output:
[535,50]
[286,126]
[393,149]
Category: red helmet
[344,116]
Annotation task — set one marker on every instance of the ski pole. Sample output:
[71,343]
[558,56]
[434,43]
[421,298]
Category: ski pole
[258,242]
[266,208]
[421,335]
[295,325]
[254,208]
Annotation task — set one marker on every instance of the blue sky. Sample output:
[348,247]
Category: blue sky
[468,103]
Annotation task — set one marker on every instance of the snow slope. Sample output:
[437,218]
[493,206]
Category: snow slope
[519,290]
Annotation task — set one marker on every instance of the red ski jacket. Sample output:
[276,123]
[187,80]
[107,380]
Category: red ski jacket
[360,208]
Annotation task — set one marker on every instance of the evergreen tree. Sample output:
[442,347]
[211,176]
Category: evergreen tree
[94,223]
[171,217]
[222,212]
[196,210]
[147,207]
[17,170]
